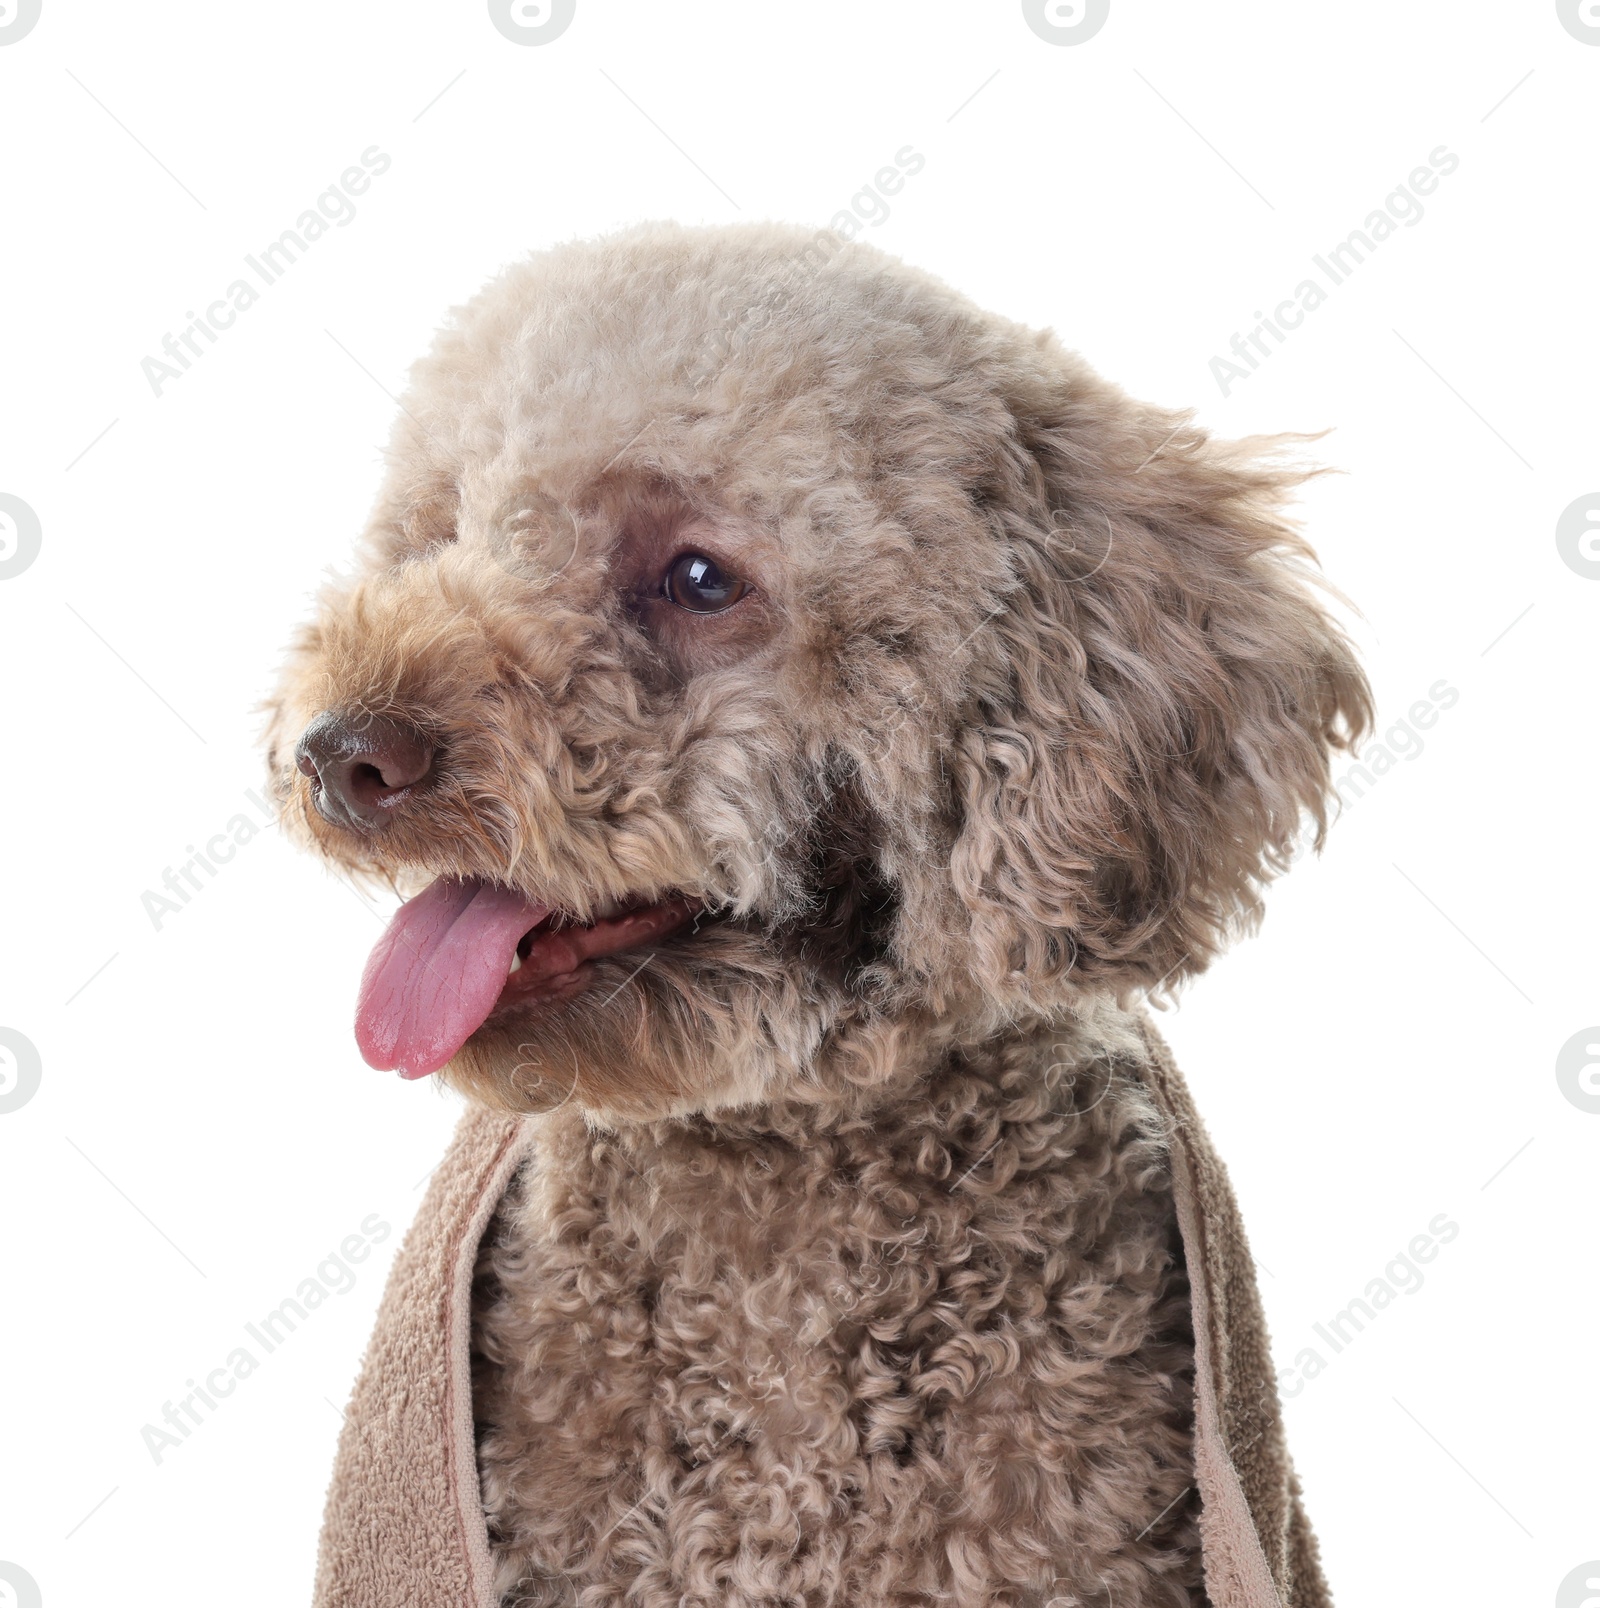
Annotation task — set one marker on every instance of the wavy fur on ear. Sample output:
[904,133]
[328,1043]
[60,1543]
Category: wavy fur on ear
[1162,693]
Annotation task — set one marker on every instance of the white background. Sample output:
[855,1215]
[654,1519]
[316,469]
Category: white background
[204,1132]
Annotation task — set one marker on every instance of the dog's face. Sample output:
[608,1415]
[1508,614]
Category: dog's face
[757,649]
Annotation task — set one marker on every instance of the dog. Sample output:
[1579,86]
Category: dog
[809,714]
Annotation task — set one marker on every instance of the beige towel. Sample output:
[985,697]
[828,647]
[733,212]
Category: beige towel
[404,1527]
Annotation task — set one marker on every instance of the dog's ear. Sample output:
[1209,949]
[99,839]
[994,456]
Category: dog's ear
[1158,698]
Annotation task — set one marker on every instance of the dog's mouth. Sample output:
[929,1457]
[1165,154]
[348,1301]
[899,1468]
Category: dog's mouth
[464,950]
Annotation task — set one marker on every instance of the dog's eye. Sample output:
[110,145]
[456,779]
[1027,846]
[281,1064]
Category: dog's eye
[699,584]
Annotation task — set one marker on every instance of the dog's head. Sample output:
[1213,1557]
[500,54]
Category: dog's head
[756,646]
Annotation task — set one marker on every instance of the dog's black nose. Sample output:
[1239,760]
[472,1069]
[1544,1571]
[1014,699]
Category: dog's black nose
[362,769]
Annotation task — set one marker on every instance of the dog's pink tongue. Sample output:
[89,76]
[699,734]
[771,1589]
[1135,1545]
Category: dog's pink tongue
[436,973]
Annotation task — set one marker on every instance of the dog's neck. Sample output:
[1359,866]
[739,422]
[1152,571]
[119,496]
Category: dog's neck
[883,1072]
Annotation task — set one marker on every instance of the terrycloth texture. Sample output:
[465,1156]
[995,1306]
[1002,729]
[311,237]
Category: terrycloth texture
[404,1528]
[1258,1548]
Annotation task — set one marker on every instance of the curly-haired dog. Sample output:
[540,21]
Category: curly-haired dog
[813,709]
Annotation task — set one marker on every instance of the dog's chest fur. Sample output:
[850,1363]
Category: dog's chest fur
[934,1349]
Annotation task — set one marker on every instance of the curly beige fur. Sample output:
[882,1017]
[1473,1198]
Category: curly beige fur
[828,1287]
[910,1351]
